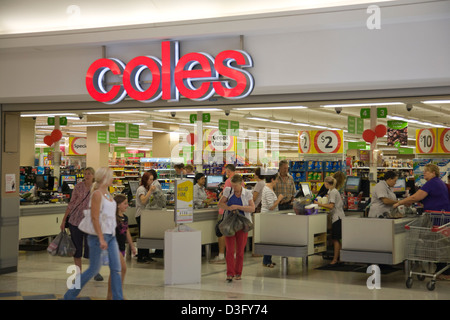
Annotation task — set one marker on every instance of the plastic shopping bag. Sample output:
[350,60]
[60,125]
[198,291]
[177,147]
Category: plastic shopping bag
[53,247]
[66,247]
[247,225]
[227,226]
[62,246]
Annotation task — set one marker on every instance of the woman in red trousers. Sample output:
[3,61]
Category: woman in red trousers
[241,199]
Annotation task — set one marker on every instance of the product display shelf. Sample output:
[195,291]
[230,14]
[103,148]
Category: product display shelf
[248,172]
[164,169]
[123,171]
[313,171]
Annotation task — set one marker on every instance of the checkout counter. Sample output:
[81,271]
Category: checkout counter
[285,234]
[154,224]
[374,240]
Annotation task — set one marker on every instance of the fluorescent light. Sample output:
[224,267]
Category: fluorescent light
[188,110]
[48,115]
[288,134]
[300,124]
[257,118]
[320,127]
[435,101]
[281,121]
[137,148]
[362,104]
[153,130]
[271,108]
[114,112]
[91,125]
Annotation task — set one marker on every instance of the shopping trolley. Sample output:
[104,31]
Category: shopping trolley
[428,241]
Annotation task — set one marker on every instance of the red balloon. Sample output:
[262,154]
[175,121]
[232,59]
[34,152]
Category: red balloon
[56,135]
[380,130]
[191,139]
[369,135]
[48,140]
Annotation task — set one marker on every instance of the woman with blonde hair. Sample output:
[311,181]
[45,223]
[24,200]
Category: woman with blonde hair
[336,206]
[79,201]
[103,219]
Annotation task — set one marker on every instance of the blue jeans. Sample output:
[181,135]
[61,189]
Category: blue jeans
[95,265]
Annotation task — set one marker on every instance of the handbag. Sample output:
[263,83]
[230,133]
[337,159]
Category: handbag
[86,223]
[230,223]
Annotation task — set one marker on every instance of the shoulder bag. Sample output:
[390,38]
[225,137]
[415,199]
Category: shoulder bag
[86,223]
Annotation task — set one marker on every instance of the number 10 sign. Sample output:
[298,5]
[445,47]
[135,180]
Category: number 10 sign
[320,141]
[431,140]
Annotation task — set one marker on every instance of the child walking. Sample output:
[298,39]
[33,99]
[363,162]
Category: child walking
[122,235]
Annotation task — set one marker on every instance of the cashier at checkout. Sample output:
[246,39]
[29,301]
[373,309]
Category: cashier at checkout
[383,198]
[200,198]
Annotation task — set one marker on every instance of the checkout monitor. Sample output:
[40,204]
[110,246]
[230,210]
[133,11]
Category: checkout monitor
[40,181]
[134,185]
[213,182]
[353,184]
[400,186]
[304,190]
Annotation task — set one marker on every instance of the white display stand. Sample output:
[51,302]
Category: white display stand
[182,257]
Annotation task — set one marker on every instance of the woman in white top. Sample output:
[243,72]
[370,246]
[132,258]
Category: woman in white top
[383,198]
[257,190]
[241,199]
[149,184]
[200,197]
[103,216]
[269,202]
[336,207]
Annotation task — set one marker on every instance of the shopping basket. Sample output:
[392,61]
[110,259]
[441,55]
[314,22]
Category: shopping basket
[428,241]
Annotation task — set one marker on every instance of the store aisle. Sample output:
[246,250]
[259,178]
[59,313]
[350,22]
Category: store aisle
[43,277]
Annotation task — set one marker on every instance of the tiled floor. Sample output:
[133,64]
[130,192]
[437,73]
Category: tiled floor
[41,276]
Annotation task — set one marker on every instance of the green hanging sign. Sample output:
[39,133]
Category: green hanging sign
[120,129]
[133,131]
[365,113]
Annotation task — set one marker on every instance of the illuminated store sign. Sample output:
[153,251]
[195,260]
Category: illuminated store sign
[196,76]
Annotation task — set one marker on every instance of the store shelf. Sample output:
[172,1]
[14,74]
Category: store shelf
[383,168]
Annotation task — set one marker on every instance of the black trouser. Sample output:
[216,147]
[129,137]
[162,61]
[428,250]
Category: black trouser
[285,206]
[142,253]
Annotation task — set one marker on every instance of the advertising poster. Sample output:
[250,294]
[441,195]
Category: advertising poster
[77,146]
[397,133]
[216,141]
[10,186]
[426,141]
[443,140]
[184,200]
[321,141]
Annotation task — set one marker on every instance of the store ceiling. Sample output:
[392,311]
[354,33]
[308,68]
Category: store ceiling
[421,115]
